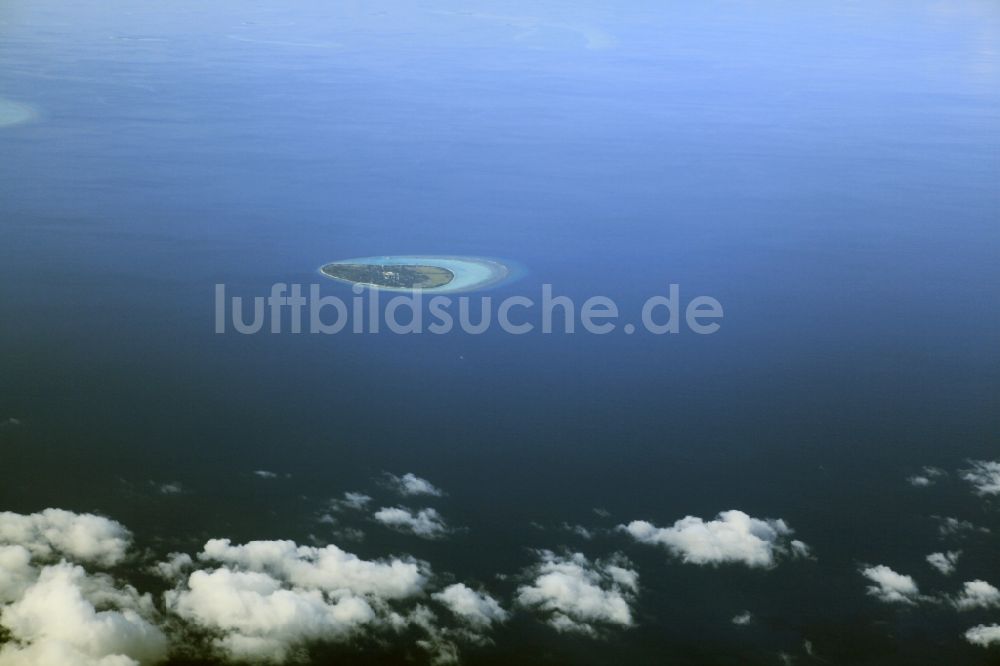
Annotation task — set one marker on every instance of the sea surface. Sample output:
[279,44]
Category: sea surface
[828,171]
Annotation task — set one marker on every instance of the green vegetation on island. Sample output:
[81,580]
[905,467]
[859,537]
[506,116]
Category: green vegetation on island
[394,276]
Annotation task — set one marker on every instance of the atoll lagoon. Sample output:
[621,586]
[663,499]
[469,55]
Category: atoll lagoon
[428,273]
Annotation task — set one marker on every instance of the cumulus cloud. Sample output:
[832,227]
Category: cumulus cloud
[579,530]
[927,477]
[172,488]
[944,562]
[949,526]
[426,523]
[173,567]
[267,601]
[58,613]
[889,586]
[56,621]
[356,501]
[410,484]
[733,537]
[261,601]
[54,532]
[265,474]
[977,594]
[984,475]
[742,619]
[257,617]
[438,642]
[578,595]
[328,568]
[476,608]
[269,598]
[16,572]
[984,635]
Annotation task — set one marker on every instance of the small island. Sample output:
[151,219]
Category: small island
[393,276]
[428,273]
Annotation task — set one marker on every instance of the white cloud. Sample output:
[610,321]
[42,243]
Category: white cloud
[329,568]
[57,613]
[742,619]
[948,526]
[52,532]
[579,530]
[265,474]
[356,501]
[984,475]
[977,594]
[579,595]
[889,586]
[984,635]
[172,488]
[56,621]
[16,572]
[425,523]
[477,608]
[173,567]
[927,477]
[439,642]
[944,562]
[732,537]
[258,601]
[410,484]
[270,598]
[259,618]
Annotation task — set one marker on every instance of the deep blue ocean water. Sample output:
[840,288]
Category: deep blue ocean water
[828,171]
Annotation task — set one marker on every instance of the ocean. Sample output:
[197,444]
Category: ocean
[826,171]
